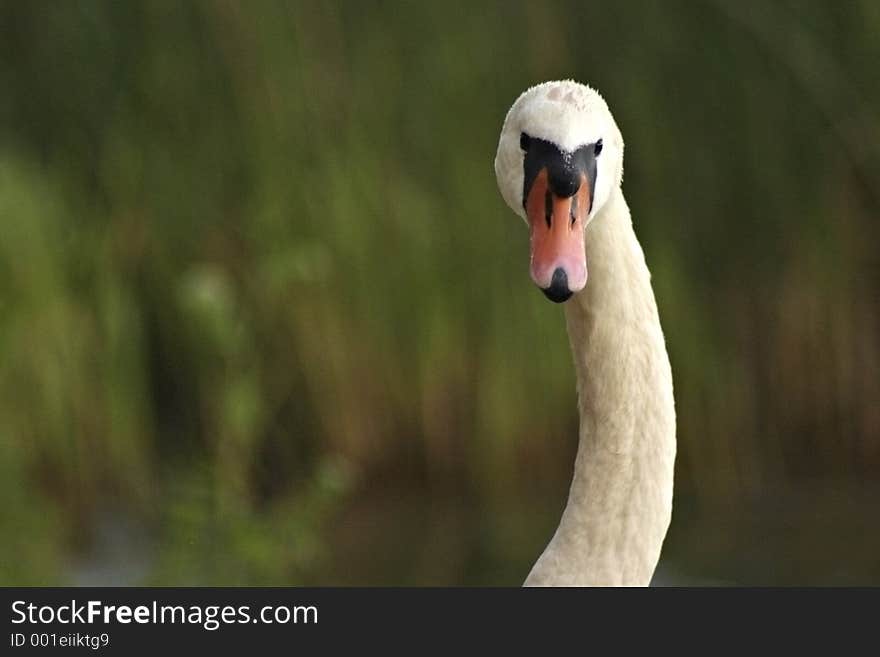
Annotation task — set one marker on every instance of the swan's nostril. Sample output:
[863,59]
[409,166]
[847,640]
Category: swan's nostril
[558,290]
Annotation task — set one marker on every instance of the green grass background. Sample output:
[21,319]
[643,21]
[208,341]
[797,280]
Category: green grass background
[265,319]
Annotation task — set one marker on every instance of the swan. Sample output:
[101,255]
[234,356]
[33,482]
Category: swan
[559,166]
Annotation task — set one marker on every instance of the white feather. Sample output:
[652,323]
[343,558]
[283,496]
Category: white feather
[620,502]
[568,114]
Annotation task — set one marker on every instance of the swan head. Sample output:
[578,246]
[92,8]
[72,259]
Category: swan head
[560,157]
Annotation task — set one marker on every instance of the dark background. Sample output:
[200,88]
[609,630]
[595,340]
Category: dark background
[265,319]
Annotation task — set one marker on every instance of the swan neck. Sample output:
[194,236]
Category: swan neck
[620,501]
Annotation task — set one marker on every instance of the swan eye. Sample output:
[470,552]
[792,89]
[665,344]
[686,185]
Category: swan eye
[597,147]
[524,141]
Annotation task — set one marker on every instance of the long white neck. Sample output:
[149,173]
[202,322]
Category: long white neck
[620,502]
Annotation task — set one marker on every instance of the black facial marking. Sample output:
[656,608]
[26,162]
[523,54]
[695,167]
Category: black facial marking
[564,169]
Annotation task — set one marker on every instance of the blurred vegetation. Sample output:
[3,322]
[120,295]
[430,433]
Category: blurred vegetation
[264,318]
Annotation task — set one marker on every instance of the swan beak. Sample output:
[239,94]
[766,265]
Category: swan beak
[556,225]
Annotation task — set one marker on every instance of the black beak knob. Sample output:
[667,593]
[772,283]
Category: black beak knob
[558,290]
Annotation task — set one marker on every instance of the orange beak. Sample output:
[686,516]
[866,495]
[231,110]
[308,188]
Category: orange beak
[556,224]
